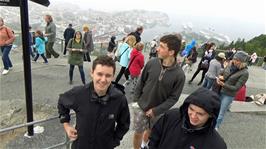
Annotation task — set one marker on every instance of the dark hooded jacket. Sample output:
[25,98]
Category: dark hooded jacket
[174,131]
[111,44]
[101,122]
[68,34]
[137,36]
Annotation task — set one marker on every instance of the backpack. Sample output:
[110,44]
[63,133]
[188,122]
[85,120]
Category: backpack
[117,58]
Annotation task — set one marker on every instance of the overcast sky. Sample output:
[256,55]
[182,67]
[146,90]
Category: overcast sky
[251,11]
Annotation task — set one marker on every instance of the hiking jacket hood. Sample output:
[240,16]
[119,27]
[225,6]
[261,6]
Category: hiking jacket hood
[173,130]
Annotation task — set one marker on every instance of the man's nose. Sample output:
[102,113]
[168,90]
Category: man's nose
[193,115]
[103,78]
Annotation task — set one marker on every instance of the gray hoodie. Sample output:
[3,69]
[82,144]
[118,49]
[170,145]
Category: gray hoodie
[159,88]
[214,69]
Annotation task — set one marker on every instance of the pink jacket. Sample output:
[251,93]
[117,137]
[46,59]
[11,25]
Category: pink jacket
[6,36]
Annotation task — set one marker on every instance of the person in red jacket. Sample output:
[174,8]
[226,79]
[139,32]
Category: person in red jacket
[136,63]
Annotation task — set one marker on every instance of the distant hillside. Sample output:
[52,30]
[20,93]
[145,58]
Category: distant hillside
[256,44]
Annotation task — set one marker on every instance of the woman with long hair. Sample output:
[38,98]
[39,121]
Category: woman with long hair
[50,33]
[234,76]
[88,42]
[76,51]
[124,53]
[203,66]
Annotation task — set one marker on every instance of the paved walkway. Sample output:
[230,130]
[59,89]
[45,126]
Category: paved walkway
[240,130]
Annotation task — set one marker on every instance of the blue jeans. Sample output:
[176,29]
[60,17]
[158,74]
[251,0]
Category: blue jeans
[225,102]
[208,82]
[5,57]
[81,71]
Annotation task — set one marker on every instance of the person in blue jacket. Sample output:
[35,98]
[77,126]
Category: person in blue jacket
[40,46]
[124,53]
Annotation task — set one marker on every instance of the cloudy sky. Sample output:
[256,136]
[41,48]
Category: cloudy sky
[246,18]
[249,10]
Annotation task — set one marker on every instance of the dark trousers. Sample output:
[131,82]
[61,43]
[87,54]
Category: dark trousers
[204,71]
[50,50]
[5,57]
[31,52]
[122,71]
[65,50]
[81,71]
[43,57]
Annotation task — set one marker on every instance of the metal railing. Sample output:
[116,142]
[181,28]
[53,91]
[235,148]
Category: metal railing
[66,143]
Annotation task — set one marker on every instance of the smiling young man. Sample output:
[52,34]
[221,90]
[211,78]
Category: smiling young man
[102,114]
[158,88]
[190,127]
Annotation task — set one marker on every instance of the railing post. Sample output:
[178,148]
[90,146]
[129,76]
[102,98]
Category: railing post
[68,143]
[26,62]
[62,45]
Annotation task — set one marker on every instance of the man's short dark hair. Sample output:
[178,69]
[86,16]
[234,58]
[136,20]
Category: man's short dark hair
[173,42]
[140,28]
[105,61]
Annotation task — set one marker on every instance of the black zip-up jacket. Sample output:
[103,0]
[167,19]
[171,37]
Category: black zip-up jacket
[68,34]
[174,131]
[111,45]
[101,122]
[137,36]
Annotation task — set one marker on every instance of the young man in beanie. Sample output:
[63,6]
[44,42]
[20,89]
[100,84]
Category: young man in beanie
[191,126]
[234,76]
[102,114]
[158,88]
[68,34]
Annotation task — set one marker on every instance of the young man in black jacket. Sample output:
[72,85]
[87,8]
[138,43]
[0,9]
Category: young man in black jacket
[68,34]
[158,89]
[102,114]
[190,127]
[137,33]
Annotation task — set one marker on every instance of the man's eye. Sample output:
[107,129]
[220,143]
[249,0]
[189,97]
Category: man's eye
[107,76]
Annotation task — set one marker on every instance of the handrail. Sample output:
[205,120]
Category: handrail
[28,124]
[66,142]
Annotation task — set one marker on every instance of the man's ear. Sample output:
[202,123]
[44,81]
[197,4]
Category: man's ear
[172,52]
[91,73]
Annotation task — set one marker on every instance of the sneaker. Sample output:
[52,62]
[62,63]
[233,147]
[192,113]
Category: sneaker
[56,56]
[5,72]
[70,82]
[10,68]
[45,62]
